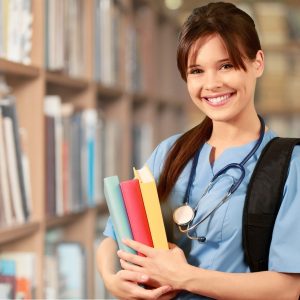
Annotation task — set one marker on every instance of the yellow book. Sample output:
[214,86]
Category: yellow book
[152,207]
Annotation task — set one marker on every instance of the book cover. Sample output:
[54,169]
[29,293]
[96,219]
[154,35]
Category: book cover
[117,210]
[152,207]
[135,208]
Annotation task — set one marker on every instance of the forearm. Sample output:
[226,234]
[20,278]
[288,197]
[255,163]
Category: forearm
[107,260]
[221,285]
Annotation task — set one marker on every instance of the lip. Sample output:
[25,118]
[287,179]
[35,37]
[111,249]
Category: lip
[221,102]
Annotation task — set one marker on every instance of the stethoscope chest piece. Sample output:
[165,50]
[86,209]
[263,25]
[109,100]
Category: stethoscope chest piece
[183,215]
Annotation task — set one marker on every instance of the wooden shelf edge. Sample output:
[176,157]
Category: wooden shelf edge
[63,80]
[57,221]
[101,208]
[170,101]
[17,69]
[17,232]
[107,91]
[283,111]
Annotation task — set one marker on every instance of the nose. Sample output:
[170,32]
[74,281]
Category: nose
[212,80]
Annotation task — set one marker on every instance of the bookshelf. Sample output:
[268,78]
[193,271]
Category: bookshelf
[277,100]
[128,88]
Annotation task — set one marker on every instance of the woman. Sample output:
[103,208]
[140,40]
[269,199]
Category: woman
[220,57]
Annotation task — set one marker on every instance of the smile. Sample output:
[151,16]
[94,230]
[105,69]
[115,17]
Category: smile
[218,100]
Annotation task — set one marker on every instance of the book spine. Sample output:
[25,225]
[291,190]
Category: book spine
[154,215]
[117,211]
[136,211]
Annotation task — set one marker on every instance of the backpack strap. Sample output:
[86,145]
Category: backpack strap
[263,200]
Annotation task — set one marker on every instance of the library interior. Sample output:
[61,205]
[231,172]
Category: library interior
[88,89]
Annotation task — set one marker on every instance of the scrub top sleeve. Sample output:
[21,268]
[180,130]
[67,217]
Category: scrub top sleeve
[109,230]
[156,160]
[285,246]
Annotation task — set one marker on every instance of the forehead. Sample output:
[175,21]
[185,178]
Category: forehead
[206,48]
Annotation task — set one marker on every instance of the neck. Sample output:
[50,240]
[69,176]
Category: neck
[235,133]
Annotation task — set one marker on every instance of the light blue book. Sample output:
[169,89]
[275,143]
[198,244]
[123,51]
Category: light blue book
[117,210]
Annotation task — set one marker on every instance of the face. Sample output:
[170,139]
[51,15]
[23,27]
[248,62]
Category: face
[222,92]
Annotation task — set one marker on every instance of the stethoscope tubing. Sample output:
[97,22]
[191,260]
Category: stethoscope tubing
[223,171]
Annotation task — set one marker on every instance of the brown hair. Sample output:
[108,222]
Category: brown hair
[237,30]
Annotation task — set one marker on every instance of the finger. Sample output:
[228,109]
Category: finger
[132,258]
[130,267]
[154,293]
[133,276]
[139,247]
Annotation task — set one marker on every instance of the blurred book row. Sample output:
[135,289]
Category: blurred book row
[16,30]
[81,148]
[64,279]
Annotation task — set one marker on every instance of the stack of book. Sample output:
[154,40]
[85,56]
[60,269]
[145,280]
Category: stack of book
[135,210]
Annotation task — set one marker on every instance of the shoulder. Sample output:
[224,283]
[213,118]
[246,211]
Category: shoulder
[158,156]
[294,169]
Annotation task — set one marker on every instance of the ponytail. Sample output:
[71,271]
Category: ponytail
[180,154]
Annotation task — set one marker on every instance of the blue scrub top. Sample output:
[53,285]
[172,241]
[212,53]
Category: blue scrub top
[223,249]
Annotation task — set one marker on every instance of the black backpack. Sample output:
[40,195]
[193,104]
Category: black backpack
[263,200]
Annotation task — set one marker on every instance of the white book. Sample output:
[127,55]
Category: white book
[4,183]
[12,169]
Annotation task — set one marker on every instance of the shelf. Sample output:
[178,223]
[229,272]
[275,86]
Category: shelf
[102,208]
[109,92]
[170,102]
[283,111]
[57,221]
[17,232]
[65,81]
[289,47]
[140,97]
[19,70]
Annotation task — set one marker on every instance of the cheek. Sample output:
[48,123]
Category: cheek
[193,87]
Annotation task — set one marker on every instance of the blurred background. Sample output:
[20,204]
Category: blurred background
[88,88]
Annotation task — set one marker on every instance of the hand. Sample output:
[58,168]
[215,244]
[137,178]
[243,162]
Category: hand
[162,266]
[125,285]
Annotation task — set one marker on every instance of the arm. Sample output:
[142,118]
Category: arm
[260,285]
[170,267]
[124,283]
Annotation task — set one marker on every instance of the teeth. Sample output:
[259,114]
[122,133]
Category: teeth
[218,99]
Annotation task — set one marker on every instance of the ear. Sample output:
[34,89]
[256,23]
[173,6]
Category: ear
[259,63]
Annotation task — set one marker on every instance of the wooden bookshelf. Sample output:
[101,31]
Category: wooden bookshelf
[17,232]
[65,81]
[122,101]
[19,70]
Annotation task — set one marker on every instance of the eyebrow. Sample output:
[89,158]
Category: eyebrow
[218,62]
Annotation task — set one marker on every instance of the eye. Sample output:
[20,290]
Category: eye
[227,66]
[195,71]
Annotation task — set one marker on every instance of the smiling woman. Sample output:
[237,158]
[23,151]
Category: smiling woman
[205,173]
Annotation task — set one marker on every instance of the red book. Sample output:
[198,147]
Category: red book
[137,217]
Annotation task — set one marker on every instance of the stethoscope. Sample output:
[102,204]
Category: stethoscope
[184,215]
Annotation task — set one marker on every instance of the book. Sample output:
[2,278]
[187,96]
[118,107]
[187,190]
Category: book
[152,207]
[135,208]
[12,138]
[72,277]
[4,183]
[117,210]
